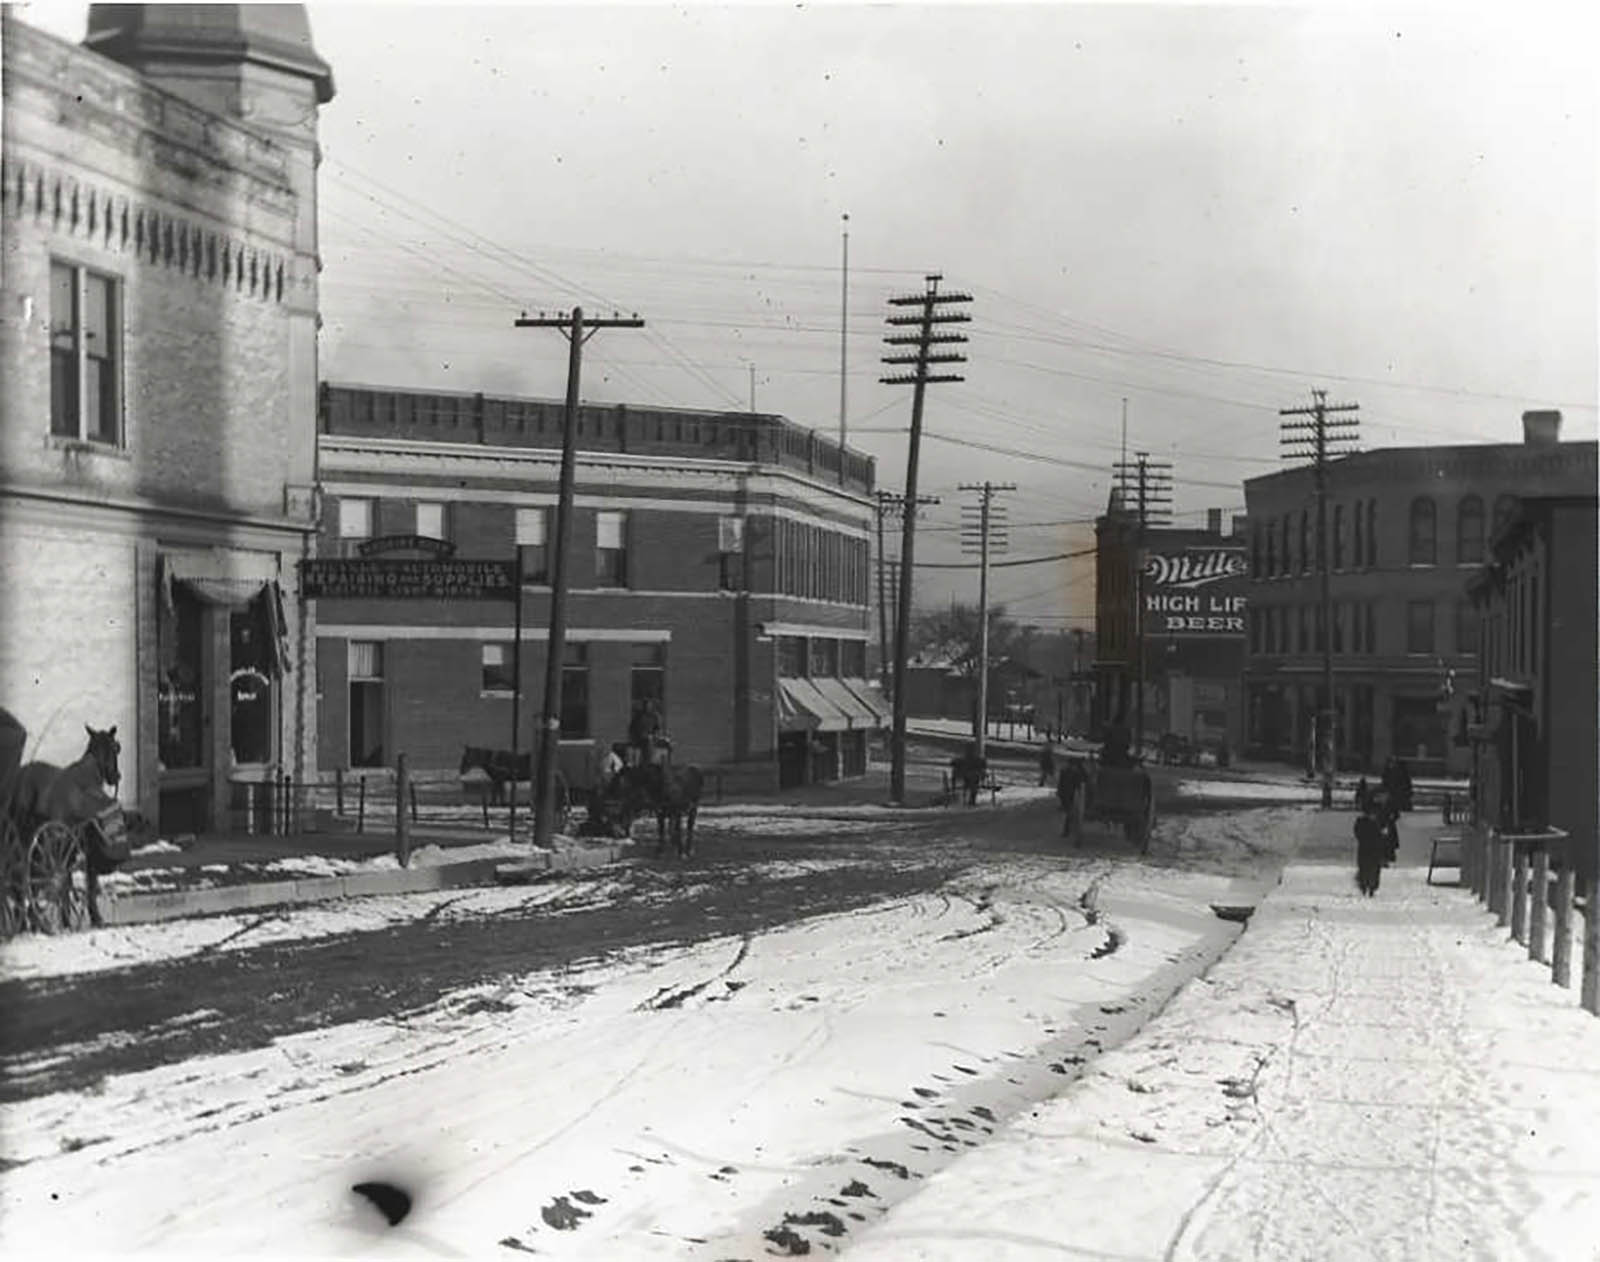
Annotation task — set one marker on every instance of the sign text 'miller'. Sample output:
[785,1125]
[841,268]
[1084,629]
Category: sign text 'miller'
[1196,568]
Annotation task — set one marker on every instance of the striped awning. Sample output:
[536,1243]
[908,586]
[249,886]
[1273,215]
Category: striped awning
[802,707]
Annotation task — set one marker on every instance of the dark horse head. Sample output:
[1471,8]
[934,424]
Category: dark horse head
[105,749]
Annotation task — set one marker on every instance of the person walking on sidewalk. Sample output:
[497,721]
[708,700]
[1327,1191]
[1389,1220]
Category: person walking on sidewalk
[1369,853]
[1047,763]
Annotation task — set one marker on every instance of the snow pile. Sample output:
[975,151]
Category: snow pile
[1264,790]
[1354,1079]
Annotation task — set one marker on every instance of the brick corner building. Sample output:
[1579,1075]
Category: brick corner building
[719,566]
[1408,527]
[158,376]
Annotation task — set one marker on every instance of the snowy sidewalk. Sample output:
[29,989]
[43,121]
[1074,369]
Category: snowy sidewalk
[1357,1079]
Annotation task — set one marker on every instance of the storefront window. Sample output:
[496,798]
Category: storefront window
[791,656]
[179,701]
[824,658]
[250,688]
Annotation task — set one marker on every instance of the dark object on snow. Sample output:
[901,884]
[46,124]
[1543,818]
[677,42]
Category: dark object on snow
[392,1202]
[1370,847]
[1239,913]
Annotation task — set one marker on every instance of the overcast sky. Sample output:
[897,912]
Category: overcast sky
[1207,211]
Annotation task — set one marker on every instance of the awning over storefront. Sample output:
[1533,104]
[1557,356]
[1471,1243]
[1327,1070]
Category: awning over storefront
[244,581]
[872,699]
[802,706]
[842,697]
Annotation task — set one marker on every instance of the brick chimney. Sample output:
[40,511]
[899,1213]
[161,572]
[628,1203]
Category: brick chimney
[1541,429]
[1213,521]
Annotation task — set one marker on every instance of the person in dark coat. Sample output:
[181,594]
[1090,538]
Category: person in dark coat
[1047,763]
[1068,785]
[1369,853]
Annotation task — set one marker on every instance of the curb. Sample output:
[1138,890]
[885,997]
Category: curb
[177,904]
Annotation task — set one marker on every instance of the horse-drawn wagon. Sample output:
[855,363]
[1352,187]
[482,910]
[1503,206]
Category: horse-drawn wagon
[1117,794]
[59,833]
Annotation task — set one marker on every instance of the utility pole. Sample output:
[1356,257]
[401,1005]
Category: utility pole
[1152,488]
[924,339]
[844,319]
[577,329]
[1316,438]
[991,528]
[889,502]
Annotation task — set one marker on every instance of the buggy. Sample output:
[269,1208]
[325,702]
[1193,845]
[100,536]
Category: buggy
[1090,790]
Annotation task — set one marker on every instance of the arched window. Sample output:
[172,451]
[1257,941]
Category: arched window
[1469,531]
[1505,508]
[1424,541]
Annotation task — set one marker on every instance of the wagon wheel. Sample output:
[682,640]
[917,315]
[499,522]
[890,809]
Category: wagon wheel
[58,896]
[13,883]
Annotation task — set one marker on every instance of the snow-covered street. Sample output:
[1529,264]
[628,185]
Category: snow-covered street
[720,1061]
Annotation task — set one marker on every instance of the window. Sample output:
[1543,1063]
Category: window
[853,659]
[533,545]
[1338,629]
[1305,629]
[1357,555]
[498,669]
[1272,553]
[611,549]
[180,702]
[85,354]
[1466,628]
[1424,544]
[648,679]
[1305,542]
[824,661]
[1283,562]
[1372,533]
[250,689]
[1419,626]
[1372,627]
[1505,508]
[430,520]
[366,703]
[1338,536]
[575,693]
[355,519]
[730,553]
[791,656]
[1357,629]
[1469,531]
[1320,623]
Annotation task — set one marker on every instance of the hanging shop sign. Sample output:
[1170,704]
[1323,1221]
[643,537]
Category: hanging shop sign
[1195,591]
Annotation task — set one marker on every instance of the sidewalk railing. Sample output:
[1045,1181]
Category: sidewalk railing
[1523,877]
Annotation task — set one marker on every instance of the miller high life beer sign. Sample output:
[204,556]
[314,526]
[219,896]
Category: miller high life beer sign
[1195,591]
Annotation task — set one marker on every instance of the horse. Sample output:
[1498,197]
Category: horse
[72,795]
[500,765]
[672,794]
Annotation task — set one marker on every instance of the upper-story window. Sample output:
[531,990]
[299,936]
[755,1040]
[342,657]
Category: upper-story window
[1272,553]
[533,544]
[730,553]
[355,518]
[1283,546]
[824,658]
[611,548]
[1305,542]
[1358,553]
[1419,626]
[85,355]
[853,659]
[1338,536]
[430,519]
[1372,533]
[1424,548]
[1469,531]
[1505,508]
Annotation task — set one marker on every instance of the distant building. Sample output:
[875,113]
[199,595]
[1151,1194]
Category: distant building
[1408,527]
[719,566]
[158,369]
[1193,587]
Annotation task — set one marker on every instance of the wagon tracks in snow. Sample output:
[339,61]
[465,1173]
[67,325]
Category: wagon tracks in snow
[670,997]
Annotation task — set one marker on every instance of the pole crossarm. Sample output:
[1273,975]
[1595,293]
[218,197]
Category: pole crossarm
[577,329]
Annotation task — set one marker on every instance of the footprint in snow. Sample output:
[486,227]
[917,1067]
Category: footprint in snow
[563,1215]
